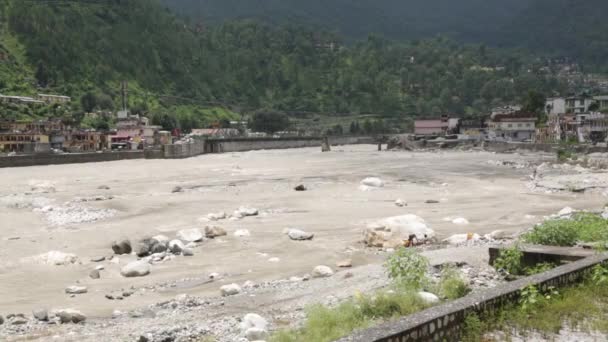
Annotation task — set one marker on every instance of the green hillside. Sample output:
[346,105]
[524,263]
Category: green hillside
[179,72]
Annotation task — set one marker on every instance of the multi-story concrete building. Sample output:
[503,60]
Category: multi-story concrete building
[520,126]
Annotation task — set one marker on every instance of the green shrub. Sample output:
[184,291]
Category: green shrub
[408,268]
[509,260]
[329,324]
[472,329]
[599,275]
[452,284]
[584,227]
[563,155]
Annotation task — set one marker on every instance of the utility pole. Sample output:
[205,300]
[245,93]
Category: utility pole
[124,95]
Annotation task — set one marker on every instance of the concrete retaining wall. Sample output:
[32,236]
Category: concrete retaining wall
[252,144]
[68,158]
[183,150]
[444,322]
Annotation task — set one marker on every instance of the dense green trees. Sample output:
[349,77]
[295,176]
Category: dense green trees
[269,122]
[174,68]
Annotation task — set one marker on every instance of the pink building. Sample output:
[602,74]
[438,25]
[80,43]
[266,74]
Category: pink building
[431,126]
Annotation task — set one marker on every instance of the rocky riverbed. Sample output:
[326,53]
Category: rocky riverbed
[214,238]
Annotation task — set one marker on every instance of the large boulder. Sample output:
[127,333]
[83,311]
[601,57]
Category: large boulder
[143,247]
[254,327]
[392,231]
[299,235]
[41,314]
[176,246]
[70,316]
[190,235]
[213,232]
[122,246]
[135,269]
[322,272]
[230,290]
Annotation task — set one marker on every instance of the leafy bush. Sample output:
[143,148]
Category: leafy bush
[510,260]
[408,268]
[599,275]
[452,285]
[584,227]
[564,155]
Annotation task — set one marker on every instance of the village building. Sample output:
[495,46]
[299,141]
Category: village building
[216,132]
[519,127]
[19,99]
[438,126]
[510,109]
[53,99]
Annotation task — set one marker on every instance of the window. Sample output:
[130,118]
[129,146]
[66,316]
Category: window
[519,125]
[510,125]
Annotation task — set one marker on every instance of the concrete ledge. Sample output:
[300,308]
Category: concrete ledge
[444,322]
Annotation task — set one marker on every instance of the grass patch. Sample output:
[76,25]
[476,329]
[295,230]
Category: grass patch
[452,284]
[584,227]
[329,324]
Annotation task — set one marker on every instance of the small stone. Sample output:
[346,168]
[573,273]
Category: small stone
[299,235]
[300,187]
[122,247]
[431,202]
[230,290]
[322,272]
[76,289]
[400,203]
[345,263]
[187,252]
[274,259]
[177,189]
[98,259]
[41,314]
[214,275]
[135,269]
[100,267]
[95,274]
[103,187]
[213,232]
[348,275]
[216,216]
[428,297]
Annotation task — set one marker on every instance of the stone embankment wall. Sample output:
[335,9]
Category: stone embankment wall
[502,147]
[444,322]
[177,151]
[67,158]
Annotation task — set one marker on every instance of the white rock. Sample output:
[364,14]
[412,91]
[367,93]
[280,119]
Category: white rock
[322,272]
[135,269]
[248,284]
[176,246]
[56,258]
[255,334]
[460,221]
[428,297]
[75,289]
[99,267]
[499,235]
[372,182]
[252,320]
[400,203]
[275,259]
[190,235]
[299,235]
[566,212]
[398,229]
[244,212]
[242,233]
[214,275]
[230,290]
[458,239]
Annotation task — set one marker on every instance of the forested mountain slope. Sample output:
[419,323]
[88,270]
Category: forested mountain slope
[75,48]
